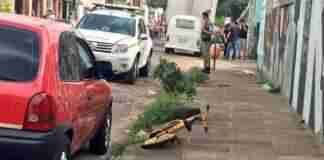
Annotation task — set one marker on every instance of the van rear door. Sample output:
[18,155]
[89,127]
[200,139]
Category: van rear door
[187,34]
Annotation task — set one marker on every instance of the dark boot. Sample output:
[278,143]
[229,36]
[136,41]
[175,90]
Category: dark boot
[206,70]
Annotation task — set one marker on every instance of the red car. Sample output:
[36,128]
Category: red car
[52,98]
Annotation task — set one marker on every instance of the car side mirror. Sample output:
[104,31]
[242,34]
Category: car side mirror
[143,37]
[104,70]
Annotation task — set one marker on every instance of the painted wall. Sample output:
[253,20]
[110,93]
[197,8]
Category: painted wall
[291,54]
[260,18]
[313,94]
[7,6]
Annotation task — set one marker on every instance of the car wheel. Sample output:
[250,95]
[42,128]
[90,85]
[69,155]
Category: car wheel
[169,50]
[101,142]
[198,54]
[133,73]
[145,71]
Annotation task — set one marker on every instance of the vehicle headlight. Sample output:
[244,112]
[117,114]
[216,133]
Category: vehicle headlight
[120,48]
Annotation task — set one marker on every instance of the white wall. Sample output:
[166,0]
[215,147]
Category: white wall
[314,66]
[190,7]
[177,7]
[200,6]
[307,95]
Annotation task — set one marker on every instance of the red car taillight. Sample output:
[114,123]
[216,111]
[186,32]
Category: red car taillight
[40,115]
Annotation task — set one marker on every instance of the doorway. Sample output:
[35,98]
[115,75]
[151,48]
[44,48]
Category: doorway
[19,6]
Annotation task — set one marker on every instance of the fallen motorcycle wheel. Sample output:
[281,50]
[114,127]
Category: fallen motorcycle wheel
[158,142]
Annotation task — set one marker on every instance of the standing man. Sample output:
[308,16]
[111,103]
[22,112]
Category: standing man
[233,39]
[206,37]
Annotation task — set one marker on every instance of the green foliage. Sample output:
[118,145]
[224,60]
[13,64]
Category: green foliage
[173,80]
[160,111]
[197,76]
[157,3]
[219,20]
[231,8]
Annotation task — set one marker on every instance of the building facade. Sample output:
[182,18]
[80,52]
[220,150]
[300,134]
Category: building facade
[290,54]
[7,6]
[63,9]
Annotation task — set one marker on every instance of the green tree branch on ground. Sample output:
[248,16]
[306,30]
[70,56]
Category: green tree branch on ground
[178,90]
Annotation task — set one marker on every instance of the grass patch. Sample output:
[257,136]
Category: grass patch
[270,87]
[118,150]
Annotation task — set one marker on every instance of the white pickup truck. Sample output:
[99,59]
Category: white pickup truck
[120,39]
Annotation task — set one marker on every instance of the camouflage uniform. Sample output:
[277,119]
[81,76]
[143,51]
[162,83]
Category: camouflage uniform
[205,45]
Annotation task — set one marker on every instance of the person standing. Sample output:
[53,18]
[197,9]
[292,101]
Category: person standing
[226,33]
[206,37]
[243,36]
[233,39]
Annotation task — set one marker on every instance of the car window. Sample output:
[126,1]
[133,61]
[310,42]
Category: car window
[185,24]
[86,63]
[106,23]
[69,60]
[19,54]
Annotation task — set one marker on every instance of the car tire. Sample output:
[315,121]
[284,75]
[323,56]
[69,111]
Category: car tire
[65,154]
[169,50]
[100,144]
[133,73]
[145,71]
[198,54]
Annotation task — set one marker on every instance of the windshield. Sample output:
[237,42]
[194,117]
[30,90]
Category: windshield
[185,24]
[19,55]
[107,23]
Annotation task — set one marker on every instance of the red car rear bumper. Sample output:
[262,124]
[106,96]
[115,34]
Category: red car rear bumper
[25,145]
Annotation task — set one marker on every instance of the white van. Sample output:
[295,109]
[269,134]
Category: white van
[183,35]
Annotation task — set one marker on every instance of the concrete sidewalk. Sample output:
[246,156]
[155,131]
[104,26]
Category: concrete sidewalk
[246,123]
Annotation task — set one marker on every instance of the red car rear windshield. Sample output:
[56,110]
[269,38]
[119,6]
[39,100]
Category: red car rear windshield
[19,54]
